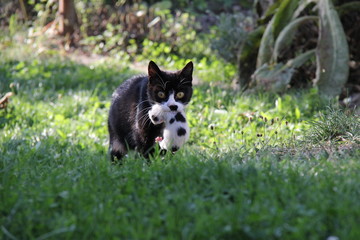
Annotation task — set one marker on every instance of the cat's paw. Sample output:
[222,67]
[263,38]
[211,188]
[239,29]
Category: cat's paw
[156,115]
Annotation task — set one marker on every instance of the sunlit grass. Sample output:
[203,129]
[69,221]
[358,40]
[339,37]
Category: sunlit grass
[245,172]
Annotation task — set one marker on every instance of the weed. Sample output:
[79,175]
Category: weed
[334,125]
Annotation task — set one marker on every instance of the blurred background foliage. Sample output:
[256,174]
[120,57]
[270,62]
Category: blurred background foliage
[270,45]
[305,43]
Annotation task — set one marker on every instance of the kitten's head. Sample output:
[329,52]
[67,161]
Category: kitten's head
[171,90]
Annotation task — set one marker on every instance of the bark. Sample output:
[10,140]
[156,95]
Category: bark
[68,20]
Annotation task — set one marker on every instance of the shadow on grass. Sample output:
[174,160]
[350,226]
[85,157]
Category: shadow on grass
[253,199]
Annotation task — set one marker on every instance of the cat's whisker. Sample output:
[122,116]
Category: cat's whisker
[144,110]
[143,117]
[145,114]
[144,120]
[138,105]
[141,121]
[146,100]
[147,122]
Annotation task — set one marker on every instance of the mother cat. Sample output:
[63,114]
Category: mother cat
[130,126]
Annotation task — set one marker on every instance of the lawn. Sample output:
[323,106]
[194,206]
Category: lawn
[251,169]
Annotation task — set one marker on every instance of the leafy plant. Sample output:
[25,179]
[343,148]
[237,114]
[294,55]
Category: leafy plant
[276,46]
[276,77]
[332,52]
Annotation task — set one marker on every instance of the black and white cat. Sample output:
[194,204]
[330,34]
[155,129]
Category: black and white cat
[132,123]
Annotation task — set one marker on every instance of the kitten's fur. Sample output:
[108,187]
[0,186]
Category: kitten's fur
[129,124]
[176,131]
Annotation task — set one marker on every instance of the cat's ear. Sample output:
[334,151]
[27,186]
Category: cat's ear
[187,70]
[153,70]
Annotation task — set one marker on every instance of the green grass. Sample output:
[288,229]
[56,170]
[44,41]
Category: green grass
[245,173]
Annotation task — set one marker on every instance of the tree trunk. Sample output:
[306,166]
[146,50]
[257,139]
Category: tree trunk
[68,21]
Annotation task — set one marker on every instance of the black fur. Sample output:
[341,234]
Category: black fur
[181,131]
[174,148]
[179,117]
[129,125]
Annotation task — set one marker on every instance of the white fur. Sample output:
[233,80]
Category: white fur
[159,114]
[171,101]
[157,111]
[170,136]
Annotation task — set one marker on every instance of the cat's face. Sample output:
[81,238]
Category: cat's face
[171,90]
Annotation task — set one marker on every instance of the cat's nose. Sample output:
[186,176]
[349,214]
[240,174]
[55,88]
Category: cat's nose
[173,107]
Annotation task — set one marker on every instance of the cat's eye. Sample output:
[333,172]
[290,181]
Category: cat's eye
[180,95]
[161,94]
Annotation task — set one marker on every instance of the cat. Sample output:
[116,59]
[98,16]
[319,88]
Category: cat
[176,131]
[129,124]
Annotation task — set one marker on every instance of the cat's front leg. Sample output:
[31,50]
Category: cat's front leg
[156,114]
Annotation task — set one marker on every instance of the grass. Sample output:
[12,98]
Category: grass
[243,175]
[335,124]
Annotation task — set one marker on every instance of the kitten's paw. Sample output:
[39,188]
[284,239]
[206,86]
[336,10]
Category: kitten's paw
[156,119]
[156,115]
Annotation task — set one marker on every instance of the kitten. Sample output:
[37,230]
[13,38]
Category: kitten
[129,124]
[176,131]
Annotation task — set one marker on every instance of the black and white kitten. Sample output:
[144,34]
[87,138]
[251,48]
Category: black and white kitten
[130,124]
[176,131]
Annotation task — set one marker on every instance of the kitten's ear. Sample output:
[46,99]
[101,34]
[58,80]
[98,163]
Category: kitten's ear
[153,70]
[187,70]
